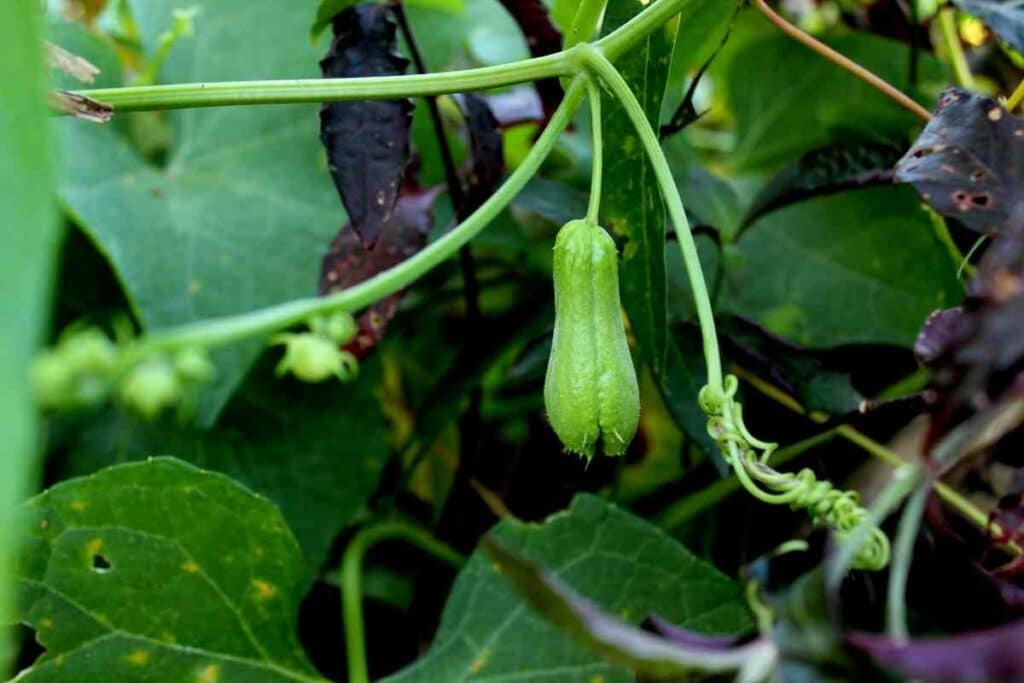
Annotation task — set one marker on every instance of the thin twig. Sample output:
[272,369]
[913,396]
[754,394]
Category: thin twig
[843,62]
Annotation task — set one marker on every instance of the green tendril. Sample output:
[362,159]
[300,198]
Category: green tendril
[749,457]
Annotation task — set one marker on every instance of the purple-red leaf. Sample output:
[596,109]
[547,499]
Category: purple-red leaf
[968,162]
[983,656]
[542,38]
[350,262]
[367,142]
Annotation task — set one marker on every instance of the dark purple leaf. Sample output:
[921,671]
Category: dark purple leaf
[350,262]
[367,142]
[487,157]
[648,654]
[983,656]
[1004,17]
[542,38]
[968,162]
[938,334]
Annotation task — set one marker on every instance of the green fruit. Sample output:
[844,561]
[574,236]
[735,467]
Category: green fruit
[590,390]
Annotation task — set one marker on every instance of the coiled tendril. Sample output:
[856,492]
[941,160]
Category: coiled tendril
[749,456]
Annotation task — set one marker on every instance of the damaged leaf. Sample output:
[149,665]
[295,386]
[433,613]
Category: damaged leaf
[487,158]
[968,163]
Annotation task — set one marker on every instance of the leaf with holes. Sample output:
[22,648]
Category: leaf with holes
[159,571]
[367,142]
[605,554]
[316,451]
[968,162]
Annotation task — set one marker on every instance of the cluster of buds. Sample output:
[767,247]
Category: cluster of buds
[86,368]
[316,355]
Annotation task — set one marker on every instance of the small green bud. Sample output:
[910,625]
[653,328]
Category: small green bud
[53,380]
[313,358]
[151,387]
[590,390]
[341,328]
[89,351]
[194,365]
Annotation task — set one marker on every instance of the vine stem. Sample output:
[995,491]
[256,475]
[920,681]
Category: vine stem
[594,59]
[318,90]
[843,62]
[1015,98]
[220,331]
[352,582]
[903,552]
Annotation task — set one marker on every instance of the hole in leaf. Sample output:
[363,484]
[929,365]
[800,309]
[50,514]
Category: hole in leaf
[100,564]
[980,200]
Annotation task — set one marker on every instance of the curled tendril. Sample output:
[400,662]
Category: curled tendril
[749,456]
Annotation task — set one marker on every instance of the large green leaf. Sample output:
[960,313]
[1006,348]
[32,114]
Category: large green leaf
[782,111]
[860,267]
[158,571]
[241,212]
[316,451]
[631,206]
[607,555]
[27,243]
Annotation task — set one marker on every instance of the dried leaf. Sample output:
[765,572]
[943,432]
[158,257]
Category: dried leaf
[71,64]
[80,106]
[367,142]
[968,162]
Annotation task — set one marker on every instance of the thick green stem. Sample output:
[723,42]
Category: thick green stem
[231,93]
[352,582]
[584,22]
[221,331]
[610,76]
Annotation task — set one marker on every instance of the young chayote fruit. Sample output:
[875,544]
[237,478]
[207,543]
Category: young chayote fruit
[590,390]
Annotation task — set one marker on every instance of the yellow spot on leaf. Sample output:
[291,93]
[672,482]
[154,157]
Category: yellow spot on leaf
[93,546]
[264,590]
[480,662]
[76,505]
[138,658]
[194,286]
[995,114]
[190,567]
[46,622]
[59,660]
[597,679]
[208,674]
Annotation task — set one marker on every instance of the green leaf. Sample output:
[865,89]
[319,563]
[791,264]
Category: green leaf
[607,555]
[158,571]
[631,206]
[27,244]
[315,450]
[860,267]
[242,210]
[782,111]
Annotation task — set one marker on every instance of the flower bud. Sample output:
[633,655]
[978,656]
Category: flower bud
[151,387]
[590,390]
[313,358]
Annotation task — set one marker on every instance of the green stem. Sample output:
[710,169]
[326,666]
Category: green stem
[594,205]
[584,22]
[232,93]
[954,50]
[227,330]
[352,582]
[235,93]
[597,61]
[1015,98]
[903,552]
